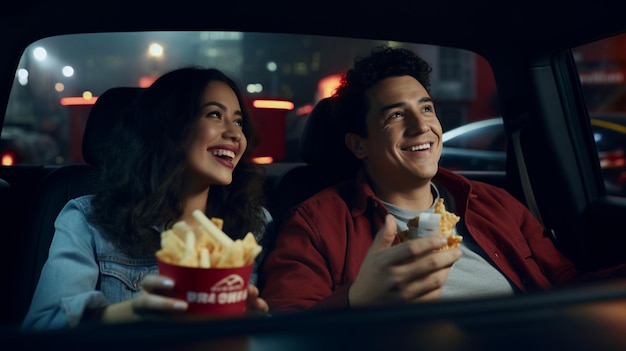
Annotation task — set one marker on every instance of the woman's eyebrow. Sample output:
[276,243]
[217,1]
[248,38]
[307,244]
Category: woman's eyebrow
[221,106]
[214,103]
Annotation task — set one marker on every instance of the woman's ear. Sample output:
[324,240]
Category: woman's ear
[356,145]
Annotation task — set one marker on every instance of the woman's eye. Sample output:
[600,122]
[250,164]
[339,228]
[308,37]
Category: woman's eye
[214,114]
[239,122]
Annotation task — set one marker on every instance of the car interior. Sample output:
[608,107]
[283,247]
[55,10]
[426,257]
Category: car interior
[66,183]
[552,166]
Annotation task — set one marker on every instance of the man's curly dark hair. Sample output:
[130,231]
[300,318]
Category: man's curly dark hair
[350,103]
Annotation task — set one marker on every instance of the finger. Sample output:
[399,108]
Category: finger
[255,304]
[424,277]
[427,270]
[253,291]
[260,306]
[150,303]
[427,288]
[386,234]
[253,294]
[426,245]
[152,283]
[432,261]
[412,249]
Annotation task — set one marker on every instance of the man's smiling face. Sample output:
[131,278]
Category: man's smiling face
[403,145]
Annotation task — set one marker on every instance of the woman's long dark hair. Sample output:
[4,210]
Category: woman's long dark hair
[141,183]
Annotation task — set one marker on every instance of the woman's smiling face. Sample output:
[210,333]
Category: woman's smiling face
[218,141]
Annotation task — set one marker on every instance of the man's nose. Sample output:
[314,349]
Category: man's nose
[418,122]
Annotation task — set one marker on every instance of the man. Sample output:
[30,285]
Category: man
[341,247]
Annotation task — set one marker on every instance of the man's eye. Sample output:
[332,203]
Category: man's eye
[429,109]
[396,114]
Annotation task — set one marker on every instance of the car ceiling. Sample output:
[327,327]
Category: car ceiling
[530,26]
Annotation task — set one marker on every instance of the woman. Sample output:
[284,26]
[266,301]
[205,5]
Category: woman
[186,147]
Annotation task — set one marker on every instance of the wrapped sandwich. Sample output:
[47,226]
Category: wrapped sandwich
[439,222]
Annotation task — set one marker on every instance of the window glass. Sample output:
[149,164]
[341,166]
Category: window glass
[602,69]
[59,78]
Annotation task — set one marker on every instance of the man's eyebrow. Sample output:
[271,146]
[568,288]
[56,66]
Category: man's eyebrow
[422,100]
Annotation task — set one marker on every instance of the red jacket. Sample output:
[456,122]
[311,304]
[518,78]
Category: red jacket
[319,249]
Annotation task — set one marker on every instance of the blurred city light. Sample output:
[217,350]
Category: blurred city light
[254,88]
[8,159]
[77,101]
[263,160]
[40,53]
[22,76]
[277,104]
[67,71]
[155,50]
[327,86]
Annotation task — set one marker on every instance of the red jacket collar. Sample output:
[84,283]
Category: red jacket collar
[363,195]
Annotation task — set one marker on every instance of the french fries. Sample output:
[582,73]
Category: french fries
[206,245]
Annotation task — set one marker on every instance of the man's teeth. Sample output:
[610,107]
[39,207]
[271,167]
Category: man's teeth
[420,147]
[223,153]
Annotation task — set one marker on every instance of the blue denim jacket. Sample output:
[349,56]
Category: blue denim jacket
[86,271]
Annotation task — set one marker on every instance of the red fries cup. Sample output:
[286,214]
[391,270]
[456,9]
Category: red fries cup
[210,270]
[210,291]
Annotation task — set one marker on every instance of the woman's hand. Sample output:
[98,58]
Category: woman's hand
[254,304]
[151,303]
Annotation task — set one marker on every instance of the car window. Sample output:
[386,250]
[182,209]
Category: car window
[602,69]
[59,78]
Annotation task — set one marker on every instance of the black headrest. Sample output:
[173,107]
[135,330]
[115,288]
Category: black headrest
[321,142]
[111,106]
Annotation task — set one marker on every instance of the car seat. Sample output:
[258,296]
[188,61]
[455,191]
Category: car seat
[68,182]
[327,161]
[11,243]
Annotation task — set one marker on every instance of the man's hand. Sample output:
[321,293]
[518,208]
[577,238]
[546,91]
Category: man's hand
[408,272]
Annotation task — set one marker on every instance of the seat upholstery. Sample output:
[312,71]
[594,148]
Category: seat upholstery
[11,241]
[7,194]
[68,182]
[327,162]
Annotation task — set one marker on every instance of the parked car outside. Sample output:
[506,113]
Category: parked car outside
[479,145]
[609,132]
[482,145]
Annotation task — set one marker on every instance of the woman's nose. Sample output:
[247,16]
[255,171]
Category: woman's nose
[233,131]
